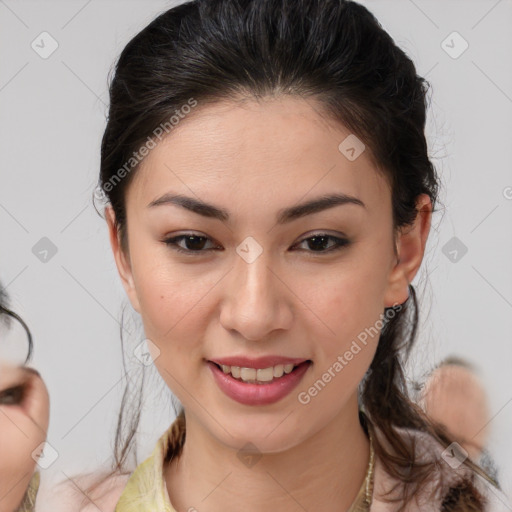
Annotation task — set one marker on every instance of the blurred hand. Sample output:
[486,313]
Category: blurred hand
[24,419]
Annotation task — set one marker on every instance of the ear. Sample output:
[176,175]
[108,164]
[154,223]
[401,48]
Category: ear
[410,250]
[122,260]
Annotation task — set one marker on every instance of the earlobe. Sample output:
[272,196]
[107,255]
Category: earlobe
[122,260]
[410,250]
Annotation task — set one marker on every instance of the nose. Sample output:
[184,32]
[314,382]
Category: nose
[256,300]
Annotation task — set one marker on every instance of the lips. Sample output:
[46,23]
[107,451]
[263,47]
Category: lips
[260,393]
[258,362]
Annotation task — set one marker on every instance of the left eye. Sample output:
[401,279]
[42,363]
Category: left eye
[318,241]
[195,243]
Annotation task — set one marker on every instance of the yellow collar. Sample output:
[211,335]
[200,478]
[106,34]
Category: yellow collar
[146,491]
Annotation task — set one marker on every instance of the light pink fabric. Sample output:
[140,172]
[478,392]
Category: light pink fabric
[446,475]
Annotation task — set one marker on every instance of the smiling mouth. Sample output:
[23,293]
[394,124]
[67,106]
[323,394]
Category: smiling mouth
[260,375]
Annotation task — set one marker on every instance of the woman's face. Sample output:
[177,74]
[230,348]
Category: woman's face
[24,419]
[259,283]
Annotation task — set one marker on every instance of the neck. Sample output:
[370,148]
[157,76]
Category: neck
[325,472]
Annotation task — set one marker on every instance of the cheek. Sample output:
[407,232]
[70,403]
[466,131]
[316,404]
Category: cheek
[174,306]
[20,437]
[346,323]
[348,307]
[347,299]
[170,303]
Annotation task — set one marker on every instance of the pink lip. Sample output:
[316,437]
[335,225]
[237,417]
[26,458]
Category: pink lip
[258,394]
[258,362]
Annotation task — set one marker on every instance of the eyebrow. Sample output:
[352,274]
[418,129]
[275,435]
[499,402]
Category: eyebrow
[283,216]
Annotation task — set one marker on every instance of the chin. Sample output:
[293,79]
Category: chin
[267,432]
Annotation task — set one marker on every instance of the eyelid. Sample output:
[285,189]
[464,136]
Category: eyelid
[327,232]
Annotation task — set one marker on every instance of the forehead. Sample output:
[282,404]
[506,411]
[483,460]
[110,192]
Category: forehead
[10,372]
[281,149]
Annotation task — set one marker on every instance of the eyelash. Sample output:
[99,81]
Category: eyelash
[172,243]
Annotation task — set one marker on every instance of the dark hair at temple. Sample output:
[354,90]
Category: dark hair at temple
[7,315]
[336,53]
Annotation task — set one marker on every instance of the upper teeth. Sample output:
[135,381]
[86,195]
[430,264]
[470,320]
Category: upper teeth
[254,374]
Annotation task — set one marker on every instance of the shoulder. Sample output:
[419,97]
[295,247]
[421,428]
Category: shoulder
[456,480]
[449,482]
[76,494]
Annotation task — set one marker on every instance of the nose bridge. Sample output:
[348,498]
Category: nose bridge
[255,303]
[255,279]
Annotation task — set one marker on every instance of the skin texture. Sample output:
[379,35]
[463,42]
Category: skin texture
[254,159]
[23,428]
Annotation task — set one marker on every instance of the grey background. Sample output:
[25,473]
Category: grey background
[52,118]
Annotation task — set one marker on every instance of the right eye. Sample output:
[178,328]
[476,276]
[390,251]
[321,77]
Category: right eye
[193,240]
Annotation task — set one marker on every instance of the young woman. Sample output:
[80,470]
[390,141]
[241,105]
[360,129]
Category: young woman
[270,196]
[24,419]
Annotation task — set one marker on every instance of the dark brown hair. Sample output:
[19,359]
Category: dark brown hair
[332,51]
[6,316]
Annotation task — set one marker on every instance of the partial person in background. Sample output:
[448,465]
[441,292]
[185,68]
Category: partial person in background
[24,418]
[454,397]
